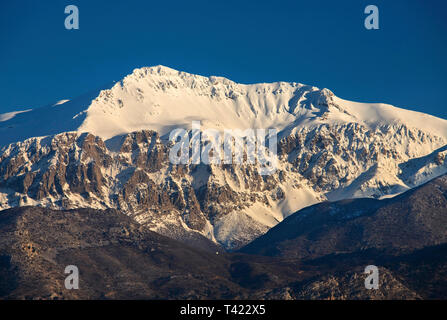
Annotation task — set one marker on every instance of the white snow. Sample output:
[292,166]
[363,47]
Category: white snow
[60,102]
[9,115]
[161,99]
[374,114]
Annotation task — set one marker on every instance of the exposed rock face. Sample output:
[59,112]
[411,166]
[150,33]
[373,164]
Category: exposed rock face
[134,175]
[329,149]
[350,161]
[229,204]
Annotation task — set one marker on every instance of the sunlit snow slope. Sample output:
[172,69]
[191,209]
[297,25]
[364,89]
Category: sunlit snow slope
[329,148]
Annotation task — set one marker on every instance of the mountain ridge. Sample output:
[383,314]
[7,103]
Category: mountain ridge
[154,90]
[414,219]
[113,153]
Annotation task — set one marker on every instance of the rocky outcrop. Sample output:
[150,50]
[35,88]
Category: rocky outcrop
[132,173]
[116,155]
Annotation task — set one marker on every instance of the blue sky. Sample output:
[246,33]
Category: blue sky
[321,43]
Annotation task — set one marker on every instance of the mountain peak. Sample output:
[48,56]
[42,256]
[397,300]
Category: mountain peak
[158,69]
[328,148]
[162,74]
[157,97]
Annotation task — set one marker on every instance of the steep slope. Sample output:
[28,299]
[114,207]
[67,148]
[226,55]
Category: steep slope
[413,220]
[116,257]
[405,237]
[63,116]
[228,204]
[119,259]
[109,149]
[158,98]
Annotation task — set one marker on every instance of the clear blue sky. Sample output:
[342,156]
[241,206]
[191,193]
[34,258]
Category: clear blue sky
[321,43]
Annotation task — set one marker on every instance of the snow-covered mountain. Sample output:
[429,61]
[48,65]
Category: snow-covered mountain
[109,148]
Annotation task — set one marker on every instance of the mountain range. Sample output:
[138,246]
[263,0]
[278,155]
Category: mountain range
[109,150]
[89,182]
[319,252]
